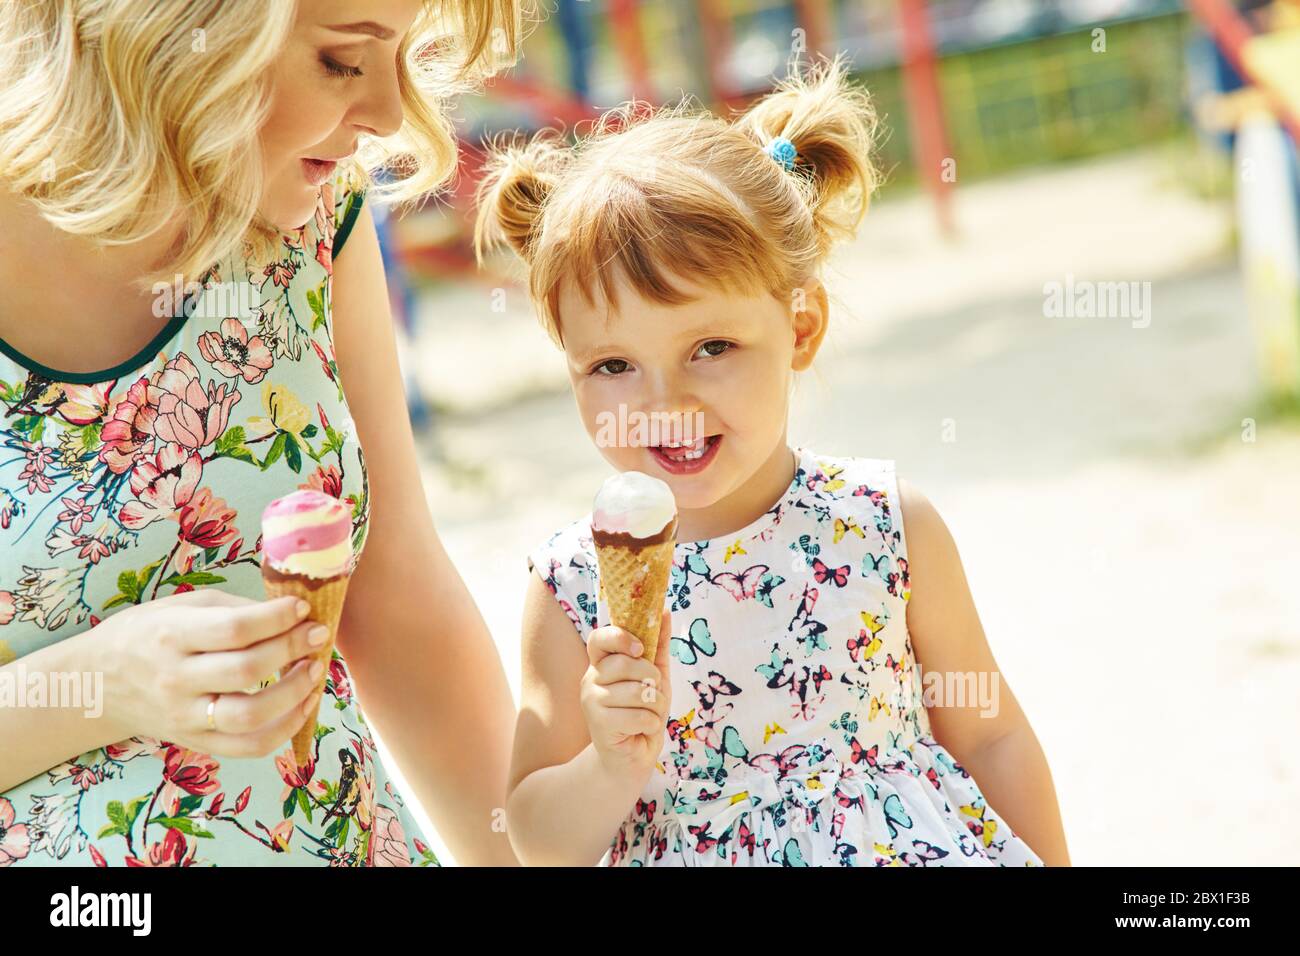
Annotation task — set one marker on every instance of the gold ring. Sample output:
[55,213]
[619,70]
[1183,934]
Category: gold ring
[212,712]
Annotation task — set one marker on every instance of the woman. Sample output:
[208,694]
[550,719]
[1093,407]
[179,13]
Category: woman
[139,452]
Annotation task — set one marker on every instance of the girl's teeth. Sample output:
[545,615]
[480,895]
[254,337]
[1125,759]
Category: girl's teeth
[689,452]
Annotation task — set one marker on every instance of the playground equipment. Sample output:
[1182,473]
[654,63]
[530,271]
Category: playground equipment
[1267,181]
[965,87]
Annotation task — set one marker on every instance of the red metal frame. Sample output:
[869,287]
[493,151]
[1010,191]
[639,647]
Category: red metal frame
[814,17]
[925,107]
[920,76]
[1230,31]
[625,24]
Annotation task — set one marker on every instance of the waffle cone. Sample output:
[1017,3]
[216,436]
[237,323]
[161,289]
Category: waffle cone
[326,600]
[633,581]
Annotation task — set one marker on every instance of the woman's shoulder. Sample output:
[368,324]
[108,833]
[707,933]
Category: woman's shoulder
[341,201]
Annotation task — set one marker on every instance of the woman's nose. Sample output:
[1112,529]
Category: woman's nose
[379,111]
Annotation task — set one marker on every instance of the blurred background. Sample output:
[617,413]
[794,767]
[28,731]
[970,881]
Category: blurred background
[1122,487]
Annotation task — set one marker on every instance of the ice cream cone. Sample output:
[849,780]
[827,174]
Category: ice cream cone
[634,580]
[634,530]
[326,600]
[307,552]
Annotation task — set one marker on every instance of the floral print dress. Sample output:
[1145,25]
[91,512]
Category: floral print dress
[148,480]
[799,734]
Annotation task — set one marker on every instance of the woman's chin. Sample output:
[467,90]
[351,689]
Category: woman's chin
[291,215]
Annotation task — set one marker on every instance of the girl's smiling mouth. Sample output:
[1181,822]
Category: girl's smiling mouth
[687,459]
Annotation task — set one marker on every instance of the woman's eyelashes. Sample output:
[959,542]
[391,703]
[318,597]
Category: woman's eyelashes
[335,68]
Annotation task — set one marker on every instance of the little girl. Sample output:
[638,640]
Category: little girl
[675,259]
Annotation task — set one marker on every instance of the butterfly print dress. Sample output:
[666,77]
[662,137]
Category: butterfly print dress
[149,479]
[799,735]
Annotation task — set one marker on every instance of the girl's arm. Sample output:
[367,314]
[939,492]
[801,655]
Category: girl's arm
[1000,751]
[425,665]
[564,806]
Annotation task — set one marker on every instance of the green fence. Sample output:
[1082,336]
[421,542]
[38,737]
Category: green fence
[1048,99]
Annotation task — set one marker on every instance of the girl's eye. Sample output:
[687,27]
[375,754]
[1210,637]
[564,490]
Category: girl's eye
[611,367]
[335,68]
[714,348]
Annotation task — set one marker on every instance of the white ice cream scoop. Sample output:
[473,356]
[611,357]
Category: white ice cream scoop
[634,503]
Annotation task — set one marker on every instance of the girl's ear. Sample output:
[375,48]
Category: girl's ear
[811,313]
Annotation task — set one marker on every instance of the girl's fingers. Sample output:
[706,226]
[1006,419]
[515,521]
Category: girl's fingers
[607,640]
[620,667]
[630,723]
[630,695]
[662,658]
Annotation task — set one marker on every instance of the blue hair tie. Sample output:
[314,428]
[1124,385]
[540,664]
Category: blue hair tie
[783,151]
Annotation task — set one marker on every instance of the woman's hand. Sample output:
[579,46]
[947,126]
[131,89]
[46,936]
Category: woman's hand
[626,700]
[163,661]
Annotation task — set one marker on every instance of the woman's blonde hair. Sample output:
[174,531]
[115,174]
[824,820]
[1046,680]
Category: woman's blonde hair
[116,115]
[677,191]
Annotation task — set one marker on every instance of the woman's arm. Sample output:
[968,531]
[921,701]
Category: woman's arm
[1000,750]
[426,669]
[565,808]
[37,738]
[152,670]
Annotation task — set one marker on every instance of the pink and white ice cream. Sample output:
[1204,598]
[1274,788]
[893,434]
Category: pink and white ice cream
[309,534]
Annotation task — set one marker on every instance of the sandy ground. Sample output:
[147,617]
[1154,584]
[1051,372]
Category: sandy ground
[1132,552]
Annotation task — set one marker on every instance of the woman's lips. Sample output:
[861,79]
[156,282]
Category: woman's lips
[687,459]
[317,171]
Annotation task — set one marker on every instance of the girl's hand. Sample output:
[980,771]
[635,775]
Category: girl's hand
[164,660]
[626,700]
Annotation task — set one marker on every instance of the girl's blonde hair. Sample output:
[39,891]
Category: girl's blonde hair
[116,115]
[677,191]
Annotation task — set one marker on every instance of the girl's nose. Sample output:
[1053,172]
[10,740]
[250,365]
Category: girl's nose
[669,393]
[675,418]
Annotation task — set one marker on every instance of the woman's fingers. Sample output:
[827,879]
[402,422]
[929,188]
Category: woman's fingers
[254,715]
[204,597]
[227,671]
[264,741]
[228,628]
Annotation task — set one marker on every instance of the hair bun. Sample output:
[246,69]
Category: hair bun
[517,178]
[830,124]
